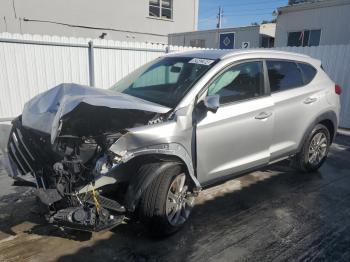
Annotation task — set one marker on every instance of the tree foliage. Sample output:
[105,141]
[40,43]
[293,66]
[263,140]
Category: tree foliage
[264,22]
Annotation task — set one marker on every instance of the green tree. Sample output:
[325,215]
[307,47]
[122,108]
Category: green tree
[264,22]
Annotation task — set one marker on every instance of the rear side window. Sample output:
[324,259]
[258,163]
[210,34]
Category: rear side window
[283,75]
[309,72]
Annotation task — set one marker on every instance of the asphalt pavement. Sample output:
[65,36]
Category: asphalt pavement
[275,214]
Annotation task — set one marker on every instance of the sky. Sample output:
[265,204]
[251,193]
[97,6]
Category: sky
[236,12]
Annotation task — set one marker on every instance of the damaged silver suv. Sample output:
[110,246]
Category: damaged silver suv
[148,145]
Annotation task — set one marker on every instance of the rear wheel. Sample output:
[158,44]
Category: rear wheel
[314,151]
[167,202]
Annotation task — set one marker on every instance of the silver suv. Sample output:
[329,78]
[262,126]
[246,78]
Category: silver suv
[184,121]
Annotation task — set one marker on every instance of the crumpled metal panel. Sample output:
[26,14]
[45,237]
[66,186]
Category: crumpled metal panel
[44,111]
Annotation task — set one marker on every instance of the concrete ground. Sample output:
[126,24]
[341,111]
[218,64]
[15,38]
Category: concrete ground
[275,214]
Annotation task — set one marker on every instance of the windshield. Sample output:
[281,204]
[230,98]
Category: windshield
[164,81]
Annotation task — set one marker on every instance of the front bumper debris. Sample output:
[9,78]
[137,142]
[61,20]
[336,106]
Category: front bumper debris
[86,219]
[29,154]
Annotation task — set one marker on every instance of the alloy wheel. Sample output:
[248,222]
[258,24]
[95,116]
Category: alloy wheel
[318,148]
[179,201]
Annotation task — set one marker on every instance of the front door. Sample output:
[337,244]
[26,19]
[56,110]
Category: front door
[238,136]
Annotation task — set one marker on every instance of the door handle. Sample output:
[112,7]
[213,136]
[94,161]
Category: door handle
[310,100]
[263,115]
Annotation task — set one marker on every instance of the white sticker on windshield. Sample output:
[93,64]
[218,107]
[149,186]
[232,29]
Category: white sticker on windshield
[201,61]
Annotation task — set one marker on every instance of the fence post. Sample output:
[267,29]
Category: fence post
[91,64]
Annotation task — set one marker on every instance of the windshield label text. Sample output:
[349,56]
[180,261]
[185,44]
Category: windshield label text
[201,61]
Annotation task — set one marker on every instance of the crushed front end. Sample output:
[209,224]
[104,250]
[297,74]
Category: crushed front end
[65,175]
[62,141]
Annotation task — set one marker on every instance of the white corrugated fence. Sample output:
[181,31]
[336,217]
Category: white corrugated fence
[336,62]
[31,64]
[28,69]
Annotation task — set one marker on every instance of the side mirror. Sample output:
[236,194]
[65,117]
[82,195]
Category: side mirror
[212,103]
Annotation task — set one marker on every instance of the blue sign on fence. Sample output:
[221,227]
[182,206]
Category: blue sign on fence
[227,41]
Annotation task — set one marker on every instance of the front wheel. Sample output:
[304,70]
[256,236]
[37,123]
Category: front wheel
[314,151]
[167,202]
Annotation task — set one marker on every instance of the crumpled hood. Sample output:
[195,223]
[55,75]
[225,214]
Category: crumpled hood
[45,111]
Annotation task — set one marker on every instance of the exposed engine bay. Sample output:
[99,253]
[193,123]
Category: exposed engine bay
[63,138]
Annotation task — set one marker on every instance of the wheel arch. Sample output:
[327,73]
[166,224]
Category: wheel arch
[328,119]
[330,126]
[159,163]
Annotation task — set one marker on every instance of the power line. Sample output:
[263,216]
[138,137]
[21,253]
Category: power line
[239,9]
[253,3]
[249,10]
[242,11]
[281,2]
[249,13]
[257,1]
[245,9]
[246,15]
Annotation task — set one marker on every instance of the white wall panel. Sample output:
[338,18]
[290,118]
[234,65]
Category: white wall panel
[336,62]
[29,69]
[112,64]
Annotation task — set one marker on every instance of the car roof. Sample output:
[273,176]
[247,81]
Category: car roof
[224,54]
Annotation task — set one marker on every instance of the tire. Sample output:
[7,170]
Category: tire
[153,204]
[305,161]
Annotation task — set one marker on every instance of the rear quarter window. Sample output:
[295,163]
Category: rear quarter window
[308,71]
[283,75]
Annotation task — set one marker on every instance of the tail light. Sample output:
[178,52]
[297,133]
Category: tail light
[338,89]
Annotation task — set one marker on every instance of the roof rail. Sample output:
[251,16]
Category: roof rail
[249,51]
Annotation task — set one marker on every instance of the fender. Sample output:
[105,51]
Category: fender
[328,115]
[139,184]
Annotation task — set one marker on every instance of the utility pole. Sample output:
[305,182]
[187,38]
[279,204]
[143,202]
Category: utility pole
[219,16]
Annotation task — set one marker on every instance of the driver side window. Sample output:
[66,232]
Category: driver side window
[239,82]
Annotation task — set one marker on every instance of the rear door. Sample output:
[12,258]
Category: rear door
[295,101]
[238,136]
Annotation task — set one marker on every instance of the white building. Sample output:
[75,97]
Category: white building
[127,20]
[314,23]
[240,37]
